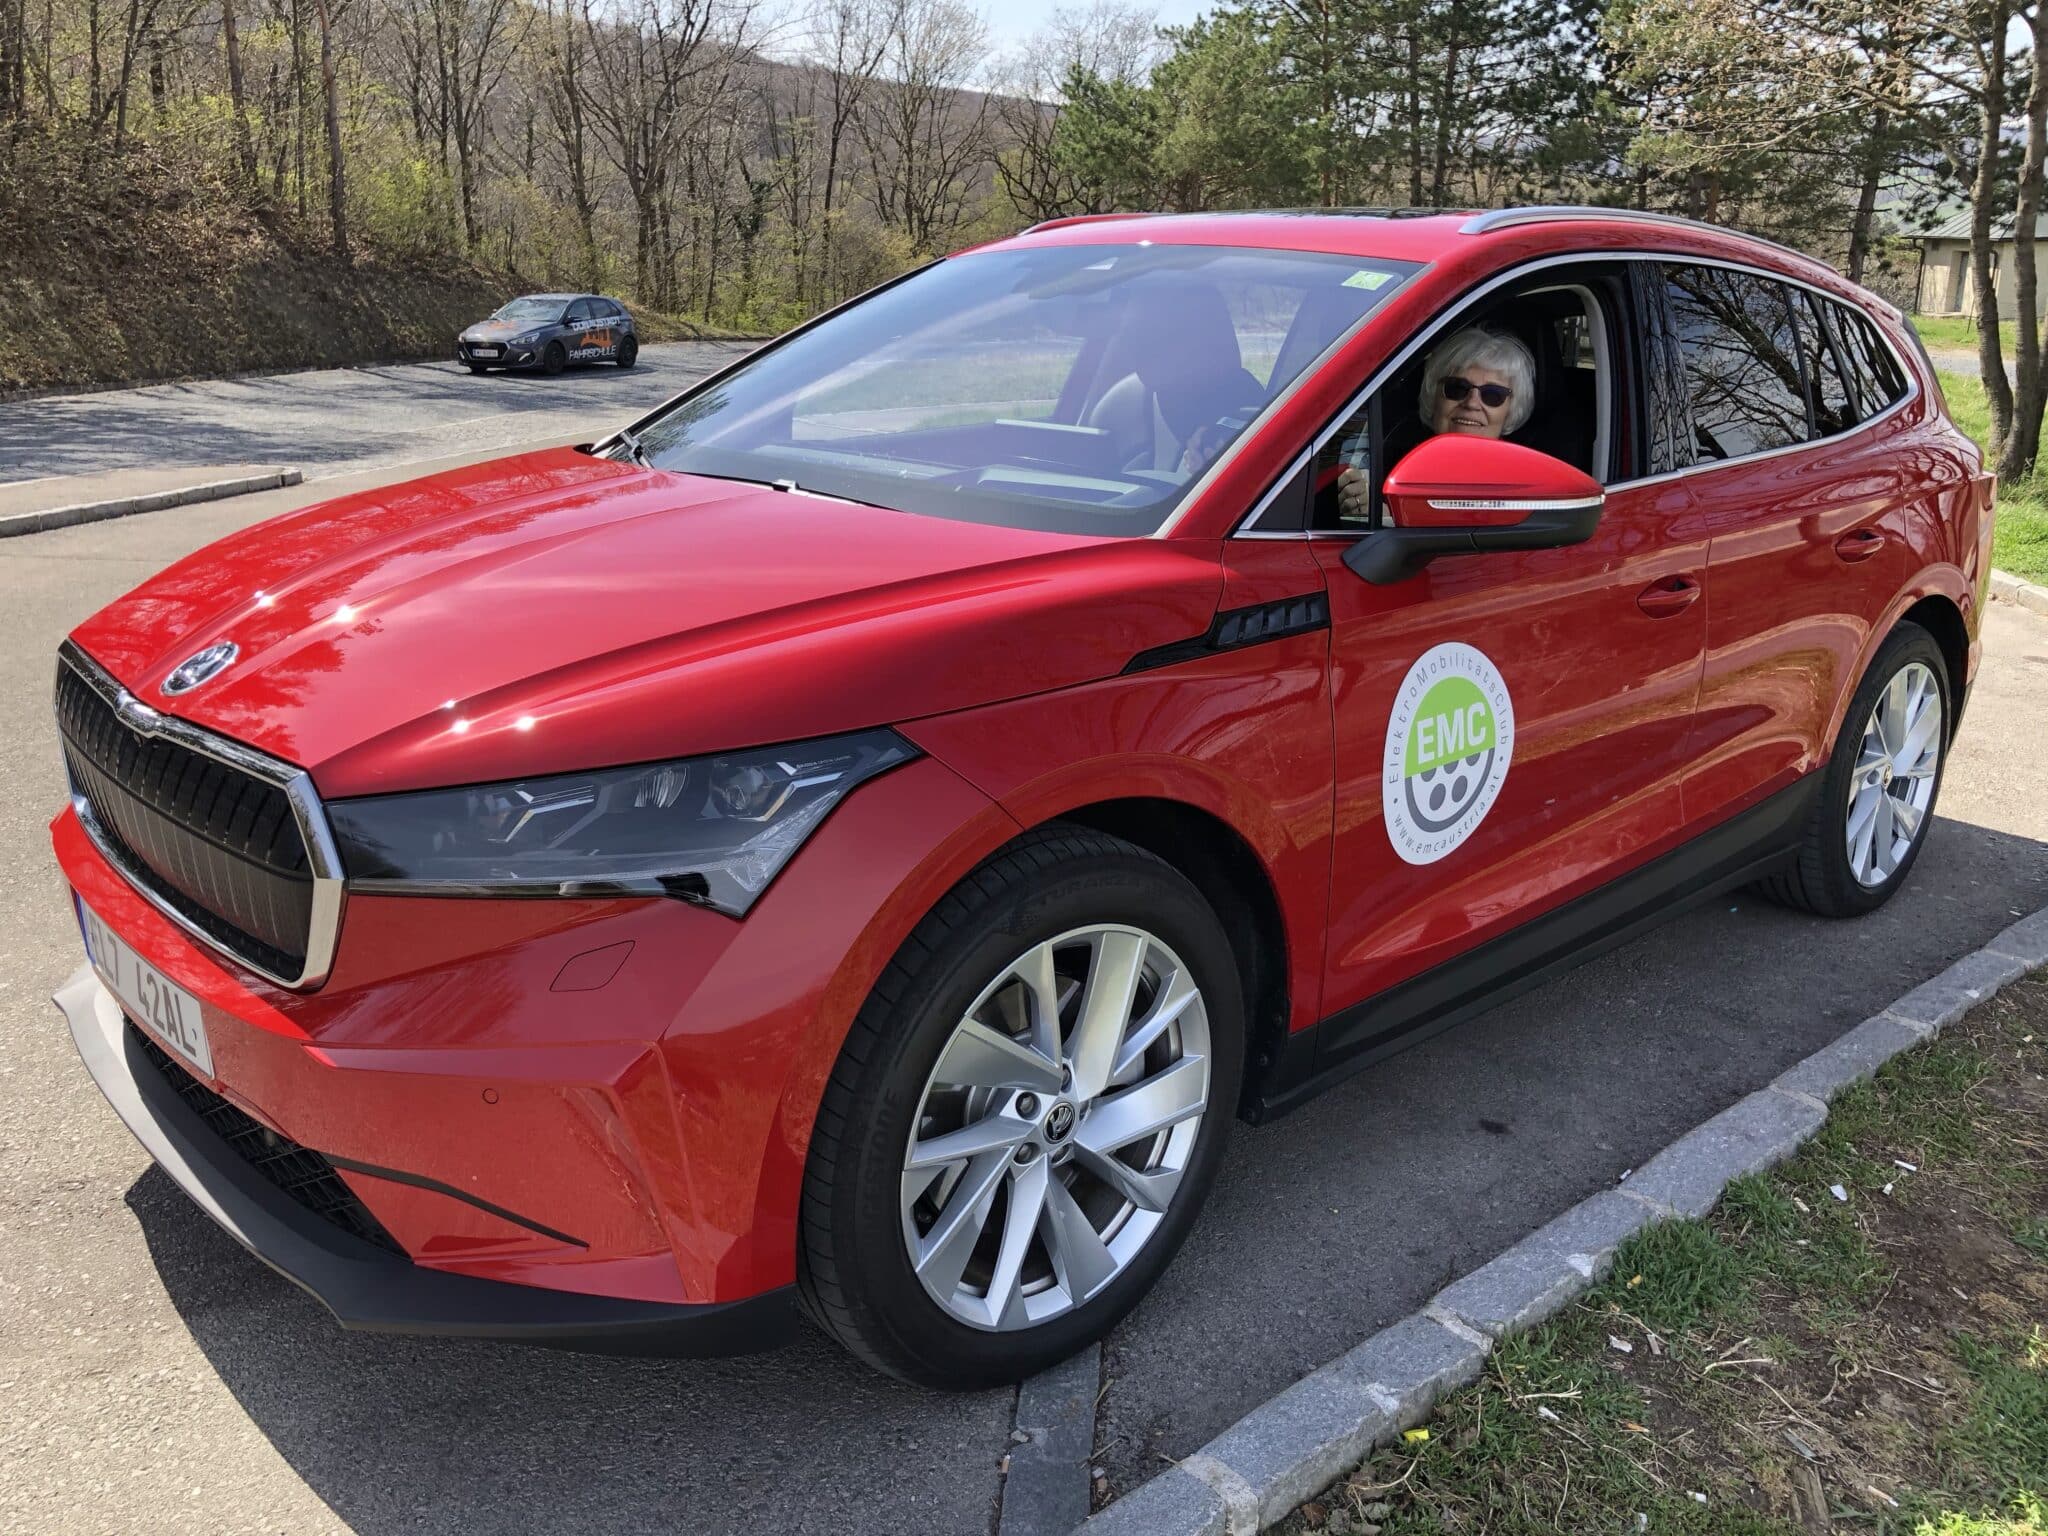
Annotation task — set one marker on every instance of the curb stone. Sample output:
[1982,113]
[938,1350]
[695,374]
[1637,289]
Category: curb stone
[154,501]
[1287,1448]
[2012,589]
[1046,1491]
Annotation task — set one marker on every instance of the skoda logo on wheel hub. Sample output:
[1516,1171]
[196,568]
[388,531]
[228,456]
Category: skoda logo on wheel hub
[1450,738]
[197,668]
[1060,1123]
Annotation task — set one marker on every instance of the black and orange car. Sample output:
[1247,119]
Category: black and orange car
[549,331]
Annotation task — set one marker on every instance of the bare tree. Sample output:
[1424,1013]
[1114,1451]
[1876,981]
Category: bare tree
[848,40]
[1110,40]
[337,183]
[659,68]
[926,129]
[561,90]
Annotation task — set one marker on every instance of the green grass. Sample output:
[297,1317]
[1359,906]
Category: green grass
[2019,542]
[1958,333]
[1789,1324]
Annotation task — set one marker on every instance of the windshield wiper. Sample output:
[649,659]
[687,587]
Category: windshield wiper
[633,449]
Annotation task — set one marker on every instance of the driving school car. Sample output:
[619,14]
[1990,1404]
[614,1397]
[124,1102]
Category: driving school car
[858,837]
[549,331]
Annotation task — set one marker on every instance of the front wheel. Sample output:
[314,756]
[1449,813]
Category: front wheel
[1878,790]
[554,359]
[1026,1115]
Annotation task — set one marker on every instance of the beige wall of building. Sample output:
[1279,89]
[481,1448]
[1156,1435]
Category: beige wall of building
[1947,287]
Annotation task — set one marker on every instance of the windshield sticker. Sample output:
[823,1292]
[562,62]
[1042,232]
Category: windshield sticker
[1368,280]
[1450,739]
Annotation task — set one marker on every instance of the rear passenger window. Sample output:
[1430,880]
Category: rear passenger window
[1873,370]
[1829,389]
[1741,362]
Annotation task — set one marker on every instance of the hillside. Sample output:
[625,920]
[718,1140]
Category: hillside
[134,274]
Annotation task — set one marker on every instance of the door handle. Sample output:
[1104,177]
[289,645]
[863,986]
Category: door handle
[1860,543]
[1674,594]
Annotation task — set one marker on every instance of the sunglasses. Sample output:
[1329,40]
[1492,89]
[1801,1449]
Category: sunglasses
[1494,396]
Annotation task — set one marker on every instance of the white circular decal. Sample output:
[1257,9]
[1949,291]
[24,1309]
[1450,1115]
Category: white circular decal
[1450,739]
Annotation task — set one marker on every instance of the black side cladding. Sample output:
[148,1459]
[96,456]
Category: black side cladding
[1236,628]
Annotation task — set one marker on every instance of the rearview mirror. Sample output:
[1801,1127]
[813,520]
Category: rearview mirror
[1457,494]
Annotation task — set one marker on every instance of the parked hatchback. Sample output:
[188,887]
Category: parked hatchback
[549,331]
[859,836]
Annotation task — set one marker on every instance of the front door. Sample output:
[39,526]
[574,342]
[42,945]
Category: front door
[1510,726]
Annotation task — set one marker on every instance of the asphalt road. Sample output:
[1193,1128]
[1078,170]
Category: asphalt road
[339,420]
[158,1379]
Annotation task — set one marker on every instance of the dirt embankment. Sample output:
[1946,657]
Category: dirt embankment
[125,273]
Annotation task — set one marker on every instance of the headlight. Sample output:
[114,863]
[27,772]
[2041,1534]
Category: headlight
[524,341]
[709,830]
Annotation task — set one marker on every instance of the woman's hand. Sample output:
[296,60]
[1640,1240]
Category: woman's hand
[1354,493]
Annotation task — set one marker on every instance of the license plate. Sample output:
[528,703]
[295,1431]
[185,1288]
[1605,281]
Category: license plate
[148,996]
[485,351]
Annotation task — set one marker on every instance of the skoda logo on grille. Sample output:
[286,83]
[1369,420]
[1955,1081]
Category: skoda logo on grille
[194,670]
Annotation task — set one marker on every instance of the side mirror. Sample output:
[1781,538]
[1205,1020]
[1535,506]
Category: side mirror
[1456,494]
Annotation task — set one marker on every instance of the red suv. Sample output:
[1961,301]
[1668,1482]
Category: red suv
[860,835]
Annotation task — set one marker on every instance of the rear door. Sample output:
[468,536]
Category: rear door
[1803,511]
[1510,727]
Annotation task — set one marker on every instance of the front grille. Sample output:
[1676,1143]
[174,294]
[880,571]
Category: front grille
[299,1171]
[217,844]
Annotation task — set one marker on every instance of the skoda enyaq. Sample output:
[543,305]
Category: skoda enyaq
[855,839]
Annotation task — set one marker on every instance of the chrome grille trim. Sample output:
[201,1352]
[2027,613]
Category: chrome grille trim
[330,894]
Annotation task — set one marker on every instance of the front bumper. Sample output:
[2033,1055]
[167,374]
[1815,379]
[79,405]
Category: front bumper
[500,356]
[608,1100]
[364,1286]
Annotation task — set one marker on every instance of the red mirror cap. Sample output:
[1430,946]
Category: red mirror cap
[1456,480]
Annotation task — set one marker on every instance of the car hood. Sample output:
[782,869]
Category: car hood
[498,330]
[556,611]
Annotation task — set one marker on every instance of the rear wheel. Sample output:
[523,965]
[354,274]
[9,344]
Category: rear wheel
[1026,1115]
[554,359]
[629,352]
[1878,791]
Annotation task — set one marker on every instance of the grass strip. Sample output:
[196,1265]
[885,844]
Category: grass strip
[1856,1341]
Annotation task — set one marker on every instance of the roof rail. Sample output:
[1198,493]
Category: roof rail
[1509,218]
[1081,218]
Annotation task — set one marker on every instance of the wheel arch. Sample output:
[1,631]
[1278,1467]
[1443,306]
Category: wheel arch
[1227,870]
[1940,616]
[1939,601]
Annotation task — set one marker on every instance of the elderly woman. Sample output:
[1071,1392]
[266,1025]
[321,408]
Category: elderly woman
[1480,381]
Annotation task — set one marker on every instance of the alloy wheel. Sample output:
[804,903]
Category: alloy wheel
[1055,1127]
[1892,787]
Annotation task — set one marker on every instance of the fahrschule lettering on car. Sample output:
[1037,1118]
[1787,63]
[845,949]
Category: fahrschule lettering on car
[855,839]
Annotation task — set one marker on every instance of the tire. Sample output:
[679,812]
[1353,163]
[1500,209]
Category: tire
[554,359]
[629,353]
[1830,877]
[855,1269]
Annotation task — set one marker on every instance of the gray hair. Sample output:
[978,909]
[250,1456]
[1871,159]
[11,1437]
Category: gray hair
[1476,346]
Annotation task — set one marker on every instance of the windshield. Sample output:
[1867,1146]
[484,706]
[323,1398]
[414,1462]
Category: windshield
[1077,389]
[531,309]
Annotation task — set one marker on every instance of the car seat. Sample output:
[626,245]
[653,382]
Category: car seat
[1174,367]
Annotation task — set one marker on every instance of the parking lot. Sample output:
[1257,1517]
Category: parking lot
[160,1379]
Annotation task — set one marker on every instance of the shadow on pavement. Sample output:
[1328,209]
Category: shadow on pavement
[402,1434]
[318,417]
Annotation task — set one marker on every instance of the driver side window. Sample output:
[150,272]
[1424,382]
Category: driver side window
[1538,366]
